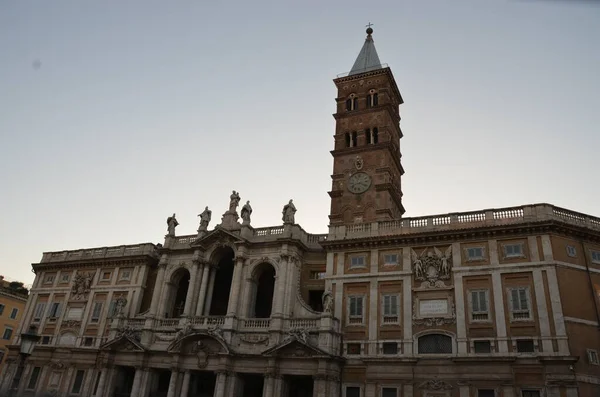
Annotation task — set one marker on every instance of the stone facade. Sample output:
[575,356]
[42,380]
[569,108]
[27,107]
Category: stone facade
[498,302]
[12,304]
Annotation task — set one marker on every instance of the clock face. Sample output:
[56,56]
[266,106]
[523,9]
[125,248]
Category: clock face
[359,183]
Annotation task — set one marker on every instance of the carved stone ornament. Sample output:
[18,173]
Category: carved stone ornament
[255,339]
[435,384]
[81,286]
[71,324]
[217,333]
[129,332]
[359,163]
[166,337]
[300,334]
[56,364]
[432,266]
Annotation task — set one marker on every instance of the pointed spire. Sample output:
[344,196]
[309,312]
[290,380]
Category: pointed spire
[367,57]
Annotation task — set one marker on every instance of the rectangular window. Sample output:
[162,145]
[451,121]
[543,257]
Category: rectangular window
[76,389]
[46,340]
[317,275]
[571,251]
[390,259]
[1,309]
[357,261]
[479,305]
[49,279]
[389,348]
[486,393]
[352,391]
[519,303]
[513,250]
[88,341]
[35,374]
[596,256]
[390,309]
[355,309]
[64,278]
[530,393]
[40,308]
[389,392]
[97,312]
[353,348]
[106,276]
[112,309]
[482,346]
[525,346]
[13,313]
[55,310]
[593,357]
[475,253]
[8,331]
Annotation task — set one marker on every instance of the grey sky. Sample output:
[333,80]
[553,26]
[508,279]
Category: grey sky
[113,116]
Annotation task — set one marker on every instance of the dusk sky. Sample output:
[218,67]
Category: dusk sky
[114,115]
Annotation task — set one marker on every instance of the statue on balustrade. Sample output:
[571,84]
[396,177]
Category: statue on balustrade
[205,217]
[289,212]
[328,301]
[171,225]
[234,201]
[246,212]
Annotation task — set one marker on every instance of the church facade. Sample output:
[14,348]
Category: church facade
[491,303]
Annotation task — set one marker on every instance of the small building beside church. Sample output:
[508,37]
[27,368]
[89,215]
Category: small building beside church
[498,302]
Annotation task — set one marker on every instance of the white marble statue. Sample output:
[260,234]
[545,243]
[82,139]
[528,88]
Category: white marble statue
[289,211]
[171,225]
[246,212]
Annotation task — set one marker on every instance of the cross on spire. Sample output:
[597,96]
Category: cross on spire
[369,25]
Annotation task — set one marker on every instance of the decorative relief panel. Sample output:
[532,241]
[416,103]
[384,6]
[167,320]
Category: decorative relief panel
[432,266]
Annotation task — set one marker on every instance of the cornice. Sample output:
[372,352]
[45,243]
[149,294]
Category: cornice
[149,260]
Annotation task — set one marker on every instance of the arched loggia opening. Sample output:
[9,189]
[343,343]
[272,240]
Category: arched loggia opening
[222,286]
[263,285]
[178,289]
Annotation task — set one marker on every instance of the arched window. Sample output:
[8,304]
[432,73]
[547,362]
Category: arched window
[375,135]
[177,293]
[435,344]
[351,103]
[264,288]
[372,100]
[354,139]
[347,136]
[217,303]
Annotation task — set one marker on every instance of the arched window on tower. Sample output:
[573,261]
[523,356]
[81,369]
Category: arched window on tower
[372,99]
[347,136]
[354,139]
[351,103]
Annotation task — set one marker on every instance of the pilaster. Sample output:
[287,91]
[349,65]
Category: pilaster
[499,311]
[220,384]
[542,309]
[158,286]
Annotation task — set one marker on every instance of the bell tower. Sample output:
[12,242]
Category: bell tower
[366,156]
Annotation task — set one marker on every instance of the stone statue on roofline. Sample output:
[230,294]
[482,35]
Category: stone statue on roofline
[234,201]
[246,212]
[205,218]
[289,212]
[328,301]
[171,225]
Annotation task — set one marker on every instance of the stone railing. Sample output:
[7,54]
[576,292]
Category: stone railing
[207,321]
[168,323]
[306,323]
[466,220]
[135,323]
[256,323]
[95,253]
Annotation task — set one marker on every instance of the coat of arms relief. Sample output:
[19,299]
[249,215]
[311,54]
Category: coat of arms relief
[432,266]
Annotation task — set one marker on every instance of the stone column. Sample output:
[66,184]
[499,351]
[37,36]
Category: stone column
[268,385]
[236,284]
[277,386]
[320,386]
[203,286]
[145,384]
[157,289]
[187,309]
[209,292]
[220,384]
[232,385]
[65,383]
[185,386]
[281,281]
[173,383]
[137,381]
[102,382]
